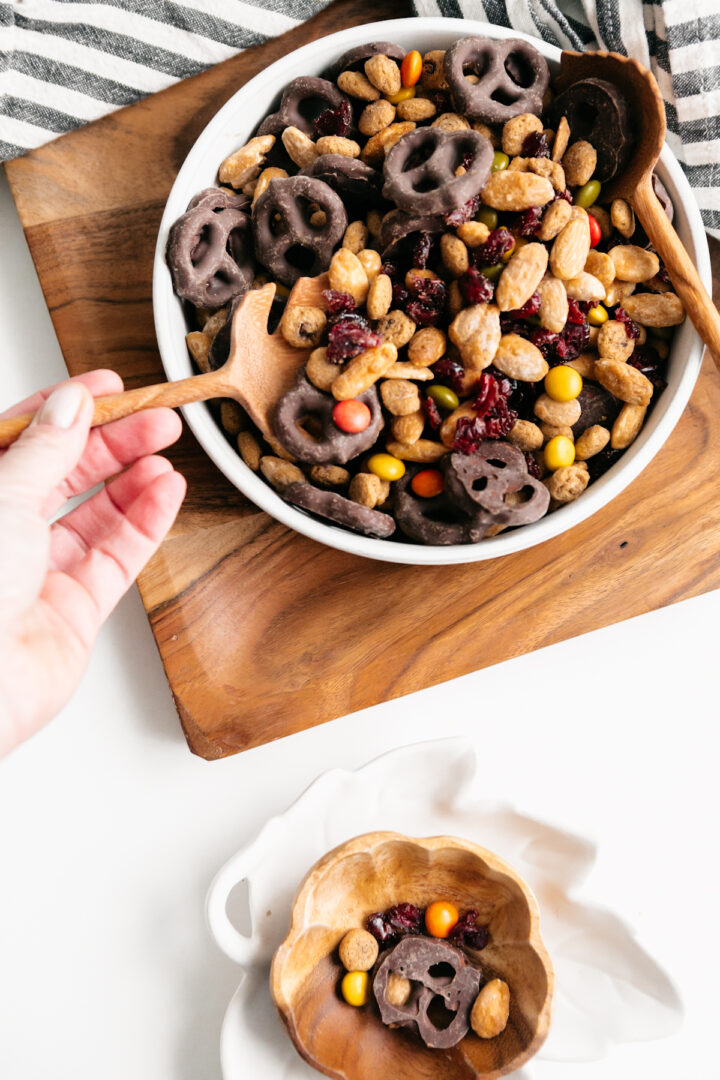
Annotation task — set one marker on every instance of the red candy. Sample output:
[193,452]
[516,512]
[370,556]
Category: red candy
[352,416]
[427,483]
[595,233]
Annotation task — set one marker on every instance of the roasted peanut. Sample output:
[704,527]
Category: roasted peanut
[299,146]
[249,449]
[375,149]
[383,73]
[433,70]
[613,342]
[476,332]
[491,1009]
[363,371]
[591,442]
[473,233]
[427,346]
[627,426]
[408,429]
[451,122]
[398,990]
[557,413]
[623,217]
[231,417]
[396,327]
[521,276]
[516,131]
[358,950]
[409,371]
[553,304]
[520,359]
[303,326]
[554,219]
[319,370]
[347,274]
[356,237]
[337,144]
[585,287]
[369,490]
[400,397]
[376,116]
[198,345]
[567,483]
[562,138]
[422,450]
[245,163]
[623,381]
[600,266]
[454,254]
[332,476]
[264,179]
[634,263]
[357,85]
[516,191]
[526,435]
[579,161]
[655,309]
[416,108]
[570,248]
[371,262]
[379,298]
[280,473]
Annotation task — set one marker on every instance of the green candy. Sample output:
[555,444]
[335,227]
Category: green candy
[488,216]
[588,194]
[492,272]
[444,397]
[500,161]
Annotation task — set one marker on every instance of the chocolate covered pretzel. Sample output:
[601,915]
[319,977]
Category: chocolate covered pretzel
[512,78]
[342,511]
[282,227]
[421,169]
[598,113]
[293,111]
[354,59]
[436,520]
[209,253]
[483,480]
[303,403]
[349,177]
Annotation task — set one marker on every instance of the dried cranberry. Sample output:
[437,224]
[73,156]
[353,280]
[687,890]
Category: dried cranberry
[450,373]
[535,145]
[421,251]
[545,341]
[494,420]
[432,413]
[566,195]
[475,287]
[337,302]
[575,338]
[399,294]
[427,301]
[334,121]
[498,243]
[529,221]
[648,361]
[532,466]
[390,268]
[529,308]
[600,463]
[389,926]
[631,328]
[575,312]
[347,339]
[463,213]
[468,158]
[663,275]
[466,932]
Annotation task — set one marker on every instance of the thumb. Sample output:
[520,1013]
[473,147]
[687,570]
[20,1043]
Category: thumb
[50,448]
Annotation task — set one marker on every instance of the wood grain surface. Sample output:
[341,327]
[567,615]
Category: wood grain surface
[263,632]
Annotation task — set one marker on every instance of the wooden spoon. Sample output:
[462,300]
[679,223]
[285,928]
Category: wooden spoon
[640,89]
[260,368]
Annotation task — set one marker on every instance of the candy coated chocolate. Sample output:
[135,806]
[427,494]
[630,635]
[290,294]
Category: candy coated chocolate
[436,521]
[280,222]
[414,958]
[420,169]
[512,78]
[297,93]
[333,447]
[483,479]
[598,113]
[340,510]
[209,254]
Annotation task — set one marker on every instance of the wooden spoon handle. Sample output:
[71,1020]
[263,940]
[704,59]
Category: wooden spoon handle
[115,406]
[683,274]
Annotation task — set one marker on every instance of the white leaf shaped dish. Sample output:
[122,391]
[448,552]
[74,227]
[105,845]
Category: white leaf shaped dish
[609,990]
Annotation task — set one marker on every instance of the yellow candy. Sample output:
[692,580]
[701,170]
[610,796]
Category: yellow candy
[597,315]
[405,94]
[563,383]
[559,452]
[386,466]
[355,988]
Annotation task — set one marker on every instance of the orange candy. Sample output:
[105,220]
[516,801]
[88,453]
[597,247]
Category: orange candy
[352,416]
[427,483]
[440,918]
[411,68]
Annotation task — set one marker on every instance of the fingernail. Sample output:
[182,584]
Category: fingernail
[63,406]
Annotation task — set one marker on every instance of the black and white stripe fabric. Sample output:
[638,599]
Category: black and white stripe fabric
[65,62]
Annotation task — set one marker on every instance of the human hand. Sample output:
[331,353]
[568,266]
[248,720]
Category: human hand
[59,583]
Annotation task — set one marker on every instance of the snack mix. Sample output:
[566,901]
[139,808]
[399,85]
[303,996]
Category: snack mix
[422,971]
[493,335]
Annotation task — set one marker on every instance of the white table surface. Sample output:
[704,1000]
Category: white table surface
[110,830]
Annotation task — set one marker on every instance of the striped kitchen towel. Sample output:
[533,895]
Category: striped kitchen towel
[65,62]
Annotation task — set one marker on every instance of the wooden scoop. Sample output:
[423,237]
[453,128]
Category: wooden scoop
[258,371]
[641,91]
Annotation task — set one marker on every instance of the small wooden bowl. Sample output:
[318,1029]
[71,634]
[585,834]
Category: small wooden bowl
[370,873]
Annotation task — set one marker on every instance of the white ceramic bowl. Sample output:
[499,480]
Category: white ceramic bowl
[228,129]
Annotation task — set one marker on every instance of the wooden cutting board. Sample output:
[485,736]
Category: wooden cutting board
[262,632]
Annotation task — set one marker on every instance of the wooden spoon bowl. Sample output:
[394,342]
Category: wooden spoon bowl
[370,873]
